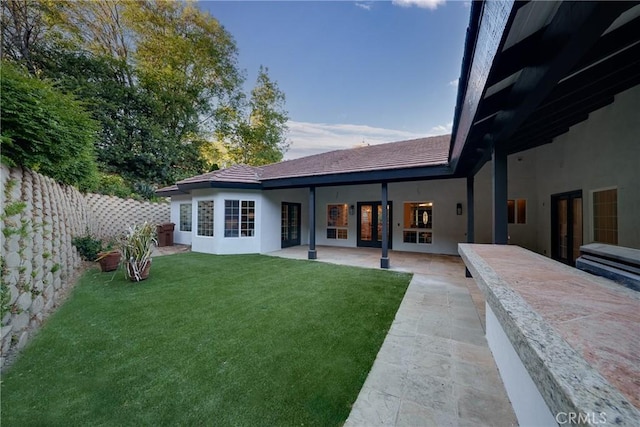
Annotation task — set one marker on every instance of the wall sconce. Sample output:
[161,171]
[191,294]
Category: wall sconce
[352,210]
[459,209]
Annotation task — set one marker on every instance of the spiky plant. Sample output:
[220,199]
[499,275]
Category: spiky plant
[137,246]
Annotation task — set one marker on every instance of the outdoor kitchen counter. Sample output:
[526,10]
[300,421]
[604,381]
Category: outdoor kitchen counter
[578,335]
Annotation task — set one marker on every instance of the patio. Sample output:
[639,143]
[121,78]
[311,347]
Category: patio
[434,367]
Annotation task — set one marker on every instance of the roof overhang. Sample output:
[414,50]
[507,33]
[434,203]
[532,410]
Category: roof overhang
[531,70]
[364,177]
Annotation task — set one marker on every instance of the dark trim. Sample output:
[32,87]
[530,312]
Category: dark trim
[288,242]
[218,184]
[555,249]
[470,216]
[470,107]
[312,223]
[373,243]
[384,200]
[170,193]
[575,28]
[365,177]
[500,211]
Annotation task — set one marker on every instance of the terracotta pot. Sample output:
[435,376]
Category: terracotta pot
[143,274]
[109,260]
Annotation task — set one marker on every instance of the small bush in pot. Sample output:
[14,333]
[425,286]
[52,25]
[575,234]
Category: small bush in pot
[136,248]
[109,258]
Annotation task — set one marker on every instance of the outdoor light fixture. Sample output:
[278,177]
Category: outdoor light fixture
[352,210]
[459,209]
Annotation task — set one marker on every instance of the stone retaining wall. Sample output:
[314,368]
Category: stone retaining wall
[39,261]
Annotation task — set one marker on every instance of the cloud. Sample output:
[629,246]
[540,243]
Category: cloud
[424,4]
[365,6]
[313,138]
[441,129]
[454,83]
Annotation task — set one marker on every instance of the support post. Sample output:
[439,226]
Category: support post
[470,216]
[384,260]
[500,226]
[312,223]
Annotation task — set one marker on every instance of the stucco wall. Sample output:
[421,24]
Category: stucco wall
[218,244]
[601,152]
[40,262]
[448,228]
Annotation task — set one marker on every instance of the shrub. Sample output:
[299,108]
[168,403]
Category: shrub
[88,247]
[113,185]
[46,130]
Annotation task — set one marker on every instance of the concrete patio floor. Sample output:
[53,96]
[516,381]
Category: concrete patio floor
[434,367]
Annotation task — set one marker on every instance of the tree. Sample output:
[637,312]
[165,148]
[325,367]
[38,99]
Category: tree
[46,130]
[255,131]
[24,30]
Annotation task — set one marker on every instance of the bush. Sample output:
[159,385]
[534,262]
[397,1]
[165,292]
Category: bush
[88,247]
[46,130]
[113,185]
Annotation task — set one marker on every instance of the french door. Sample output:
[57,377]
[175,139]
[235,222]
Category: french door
[566,226]
[370,224]
[290,234]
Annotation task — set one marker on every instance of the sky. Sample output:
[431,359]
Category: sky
[353,72]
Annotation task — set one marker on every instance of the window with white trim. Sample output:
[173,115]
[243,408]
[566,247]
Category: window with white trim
[239,218]
[185,217]
[205,218]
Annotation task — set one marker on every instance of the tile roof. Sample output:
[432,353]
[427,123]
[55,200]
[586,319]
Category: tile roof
[237,173]
[430,151]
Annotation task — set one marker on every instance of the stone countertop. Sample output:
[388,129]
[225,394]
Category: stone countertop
[577,334]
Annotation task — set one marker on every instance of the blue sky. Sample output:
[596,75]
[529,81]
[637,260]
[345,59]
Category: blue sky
[375,71]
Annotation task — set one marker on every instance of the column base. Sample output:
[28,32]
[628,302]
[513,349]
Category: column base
[313,254]
[384,262]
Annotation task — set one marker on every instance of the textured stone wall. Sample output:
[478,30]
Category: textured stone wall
[39,220]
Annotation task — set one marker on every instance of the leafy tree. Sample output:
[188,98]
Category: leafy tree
[157,76]
[255,131]
[46,130]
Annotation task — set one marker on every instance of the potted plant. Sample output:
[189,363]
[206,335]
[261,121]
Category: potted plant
[137,246]
[109,258]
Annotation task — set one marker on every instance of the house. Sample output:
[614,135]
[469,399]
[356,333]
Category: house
[544,153]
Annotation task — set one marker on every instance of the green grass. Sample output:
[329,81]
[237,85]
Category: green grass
[206,340]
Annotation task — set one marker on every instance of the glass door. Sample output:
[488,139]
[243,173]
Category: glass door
[566,226]
[370,224]
[290,230]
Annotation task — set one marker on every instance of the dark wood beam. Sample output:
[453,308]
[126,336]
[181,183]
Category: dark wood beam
[312,224]
[575,28]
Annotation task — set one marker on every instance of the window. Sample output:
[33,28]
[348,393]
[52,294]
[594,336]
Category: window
[517,211]
[205,218]
[239,218]
[605,216]
[337,221]
[248,218]
[418,222]
[185,216]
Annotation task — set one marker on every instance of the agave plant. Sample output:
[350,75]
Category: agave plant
[137,246]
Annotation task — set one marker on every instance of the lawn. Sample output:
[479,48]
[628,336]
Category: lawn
[206,340]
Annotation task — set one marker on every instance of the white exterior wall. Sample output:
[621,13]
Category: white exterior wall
[600,153]
[449,229]
[180,237]
[218,244]
[528,404]
[271,216]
